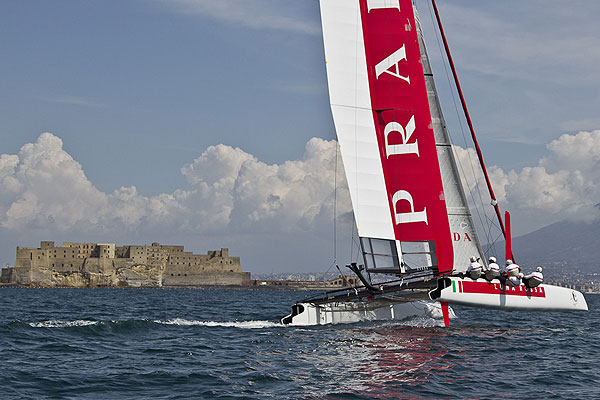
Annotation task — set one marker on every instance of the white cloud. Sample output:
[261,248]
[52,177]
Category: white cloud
[256,14]
[294,195]
[43,187]
[46,186]
[233,195]
[564,184]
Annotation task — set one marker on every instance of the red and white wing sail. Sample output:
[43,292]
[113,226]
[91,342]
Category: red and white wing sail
[381,112]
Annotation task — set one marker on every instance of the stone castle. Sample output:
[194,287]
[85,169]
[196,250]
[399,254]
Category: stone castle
[108,265]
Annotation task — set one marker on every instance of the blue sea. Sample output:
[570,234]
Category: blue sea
[228,344]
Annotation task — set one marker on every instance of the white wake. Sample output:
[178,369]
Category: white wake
[230,324]
[56,323]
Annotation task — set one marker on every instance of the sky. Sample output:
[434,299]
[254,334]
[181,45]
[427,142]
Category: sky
[207,123]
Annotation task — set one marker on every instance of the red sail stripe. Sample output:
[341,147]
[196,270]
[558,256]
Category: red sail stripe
[403,124]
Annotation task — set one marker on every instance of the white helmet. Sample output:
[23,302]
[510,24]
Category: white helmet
[473,259]
[508,262]
[492,259]
[539,269]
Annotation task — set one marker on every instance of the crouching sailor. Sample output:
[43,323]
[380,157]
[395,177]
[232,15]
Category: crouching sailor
[511,268]
[534,279]
[492,270]
[513,275]
[474,270]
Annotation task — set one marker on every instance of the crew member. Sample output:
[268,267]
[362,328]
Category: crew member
[514,280]
[512,269]
[492,270]
[474,270]
[534,279]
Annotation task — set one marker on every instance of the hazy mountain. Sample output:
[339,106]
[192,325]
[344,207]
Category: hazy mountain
[575,245]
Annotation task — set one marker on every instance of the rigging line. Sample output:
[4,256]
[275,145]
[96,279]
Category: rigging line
[352,240]
[359,37]
[494,241]
[486,227]
[461,128]
[469,122]
[492,246]
[335,203]
[330,266]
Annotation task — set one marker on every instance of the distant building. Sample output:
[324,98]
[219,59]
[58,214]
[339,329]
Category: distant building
[105,264]
[340,282]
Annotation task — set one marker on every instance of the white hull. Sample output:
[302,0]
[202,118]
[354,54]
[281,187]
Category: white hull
[306,314]
[481,293]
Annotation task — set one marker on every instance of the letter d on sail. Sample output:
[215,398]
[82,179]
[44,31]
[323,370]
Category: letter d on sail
[408,217]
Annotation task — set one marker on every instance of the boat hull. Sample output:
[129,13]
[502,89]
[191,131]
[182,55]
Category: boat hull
[307,314]
[481,293]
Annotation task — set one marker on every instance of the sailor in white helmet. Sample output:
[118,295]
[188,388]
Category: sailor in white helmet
[511,268]
[513,275]
[492,270]
[474,270]
[534,279]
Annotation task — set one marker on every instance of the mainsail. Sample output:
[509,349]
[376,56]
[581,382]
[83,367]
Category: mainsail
[408,211]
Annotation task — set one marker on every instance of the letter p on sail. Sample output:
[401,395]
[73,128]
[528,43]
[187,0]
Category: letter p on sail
[412,215]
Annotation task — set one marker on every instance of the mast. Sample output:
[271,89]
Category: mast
[494,202]
[465,241]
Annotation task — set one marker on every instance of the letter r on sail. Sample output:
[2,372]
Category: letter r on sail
[392,61]
[407,217]
[374,4]
[406,133]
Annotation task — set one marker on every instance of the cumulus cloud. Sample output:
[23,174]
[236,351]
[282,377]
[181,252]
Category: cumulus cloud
[564,184]
[231,191]
[44,187]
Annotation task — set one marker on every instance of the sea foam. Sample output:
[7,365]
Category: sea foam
[55,323]
[230,324]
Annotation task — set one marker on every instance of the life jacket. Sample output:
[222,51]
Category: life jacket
[475,266]
[512,269]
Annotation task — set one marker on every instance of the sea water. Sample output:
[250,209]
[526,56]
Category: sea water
[229,344]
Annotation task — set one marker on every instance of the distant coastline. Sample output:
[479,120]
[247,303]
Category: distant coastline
[338,283]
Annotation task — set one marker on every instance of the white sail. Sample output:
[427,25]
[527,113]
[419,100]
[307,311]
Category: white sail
[350,99]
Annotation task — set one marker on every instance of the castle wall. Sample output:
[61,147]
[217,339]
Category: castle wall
[104,264]
[8,276]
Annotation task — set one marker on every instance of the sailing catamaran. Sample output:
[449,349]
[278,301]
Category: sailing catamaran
[411,212]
